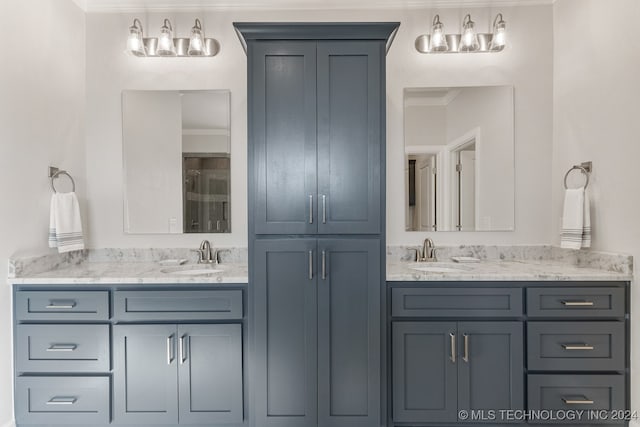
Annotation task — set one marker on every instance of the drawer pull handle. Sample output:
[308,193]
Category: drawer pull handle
[577,347]
[577,401]
[465,357]
[577,303]
[62,401]
[62,347]
[169,349]
[66,305]
[452,338]
[183,351]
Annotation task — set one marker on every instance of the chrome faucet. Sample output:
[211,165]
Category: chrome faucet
[205,253]
[428,253]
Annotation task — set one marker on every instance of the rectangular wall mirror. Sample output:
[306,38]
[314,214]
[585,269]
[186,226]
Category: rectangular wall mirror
[459,158]
[177,155]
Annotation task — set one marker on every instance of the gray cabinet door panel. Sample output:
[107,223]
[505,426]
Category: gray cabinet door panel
[490,365]
[62,348]
[177,305]
[145,374]
[458,302]
[62,400]
[349,136]
[349,332]
[575,302]
[424,374]
[210,374]
[62,305]
[576,346]
[285,321]
[566,392]
[283,136]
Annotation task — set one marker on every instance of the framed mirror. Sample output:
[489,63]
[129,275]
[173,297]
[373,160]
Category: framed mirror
[459,158]
[177,156]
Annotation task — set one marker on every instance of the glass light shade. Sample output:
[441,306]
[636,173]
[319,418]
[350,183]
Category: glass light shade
[469,39]
[499,37]
[438,41]
[165,40]
[196,41]
[135,42]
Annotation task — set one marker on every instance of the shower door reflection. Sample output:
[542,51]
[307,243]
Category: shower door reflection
[206,192]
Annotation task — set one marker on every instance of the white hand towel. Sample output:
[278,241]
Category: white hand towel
[576,220]
[65,224]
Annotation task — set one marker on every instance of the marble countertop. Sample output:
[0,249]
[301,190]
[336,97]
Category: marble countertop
[135,273]
[500,270]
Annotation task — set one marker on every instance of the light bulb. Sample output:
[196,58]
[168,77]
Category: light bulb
[196,41]
[499,37]
[469,39]
[438,37]
[165,41]
[135,42]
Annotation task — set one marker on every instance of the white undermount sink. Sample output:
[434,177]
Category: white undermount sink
[192,270]
[441,267]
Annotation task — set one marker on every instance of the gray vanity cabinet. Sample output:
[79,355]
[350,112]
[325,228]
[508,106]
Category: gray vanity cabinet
[317,332]
[440,368]
[315,115]
[165,374]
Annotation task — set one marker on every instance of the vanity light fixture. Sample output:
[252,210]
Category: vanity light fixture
[166,45]
[468,41]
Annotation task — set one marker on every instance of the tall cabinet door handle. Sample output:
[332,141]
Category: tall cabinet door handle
[452,337]
[310,265]
[324,209]
[465,356]
[169,349]
[324,265]
[182,349]
[310,208]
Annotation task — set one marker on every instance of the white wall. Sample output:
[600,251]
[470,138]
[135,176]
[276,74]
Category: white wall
[41,124]
[596,117]
[425,125]
[526,64]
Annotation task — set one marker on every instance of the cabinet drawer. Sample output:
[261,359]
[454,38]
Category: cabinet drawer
[459,302]
[62,400]
[575,302]
[577,392]
[177,305]
[62,305]
[62,348]
[576,346]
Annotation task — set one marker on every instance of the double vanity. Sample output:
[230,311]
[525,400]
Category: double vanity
[114,337]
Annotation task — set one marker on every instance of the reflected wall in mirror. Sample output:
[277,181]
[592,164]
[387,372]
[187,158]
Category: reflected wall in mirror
[459,158]
[177,155]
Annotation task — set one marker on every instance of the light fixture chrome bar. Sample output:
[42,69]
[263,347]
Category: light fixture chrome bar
[212,47]
[453,42]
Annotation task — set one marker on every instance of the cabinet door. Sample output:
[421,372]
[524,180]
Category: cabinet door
[350,113]
[210,373]
[285,325]
[491,365]
[145,374]
[349,332]
[282,136]
[424,372]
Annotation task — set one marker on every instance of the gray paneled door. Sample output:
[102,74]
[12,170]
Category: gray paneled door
[494,363]
[424,372]
[285,321]
[349,332]
[210,374]
[283,133]
[349,140]
[145,375]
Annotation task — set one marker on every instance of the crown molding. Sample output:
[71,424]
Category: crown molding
[150,6]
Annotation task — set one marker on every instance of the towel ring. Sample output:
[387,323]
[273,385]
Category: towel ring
[58,173]
[581,169]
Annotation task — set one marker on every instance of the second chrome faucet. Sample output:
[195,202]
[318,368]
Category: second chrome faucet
[206,255]
[428,253]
